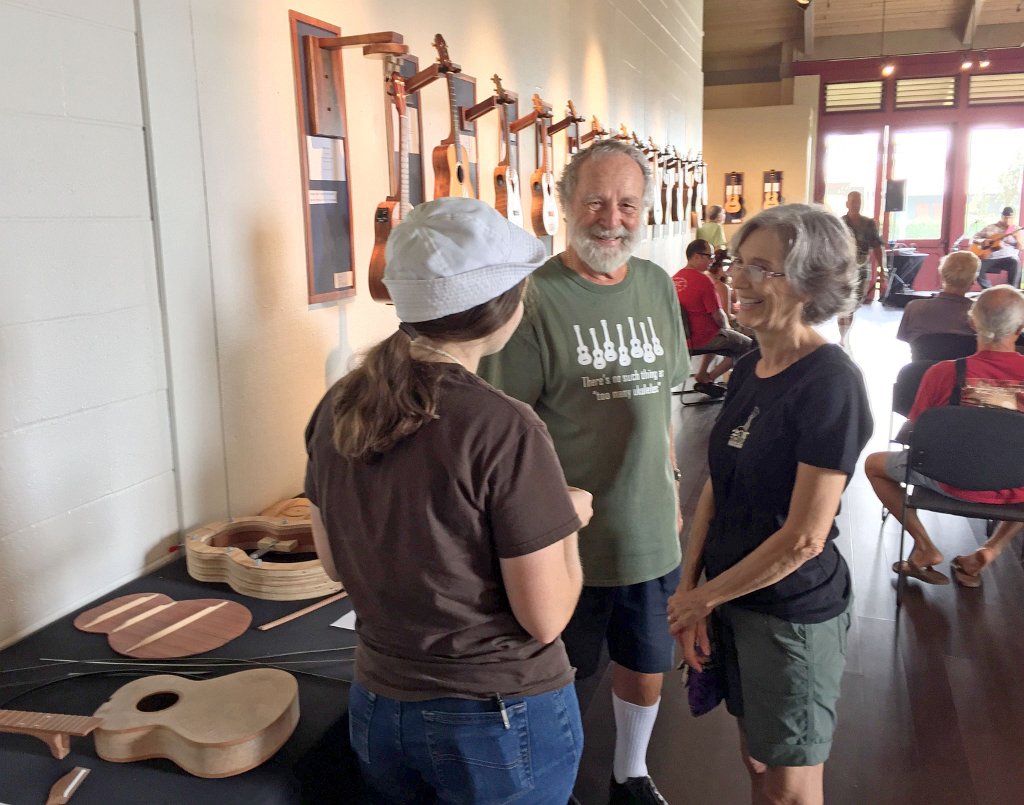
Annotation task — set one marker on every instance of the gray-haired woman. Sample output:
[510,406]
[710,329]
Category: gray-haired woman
[794,421]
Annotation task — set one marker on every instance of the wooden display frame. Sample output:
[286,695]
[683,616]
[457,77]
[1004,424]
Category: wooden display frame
[322,132]
[734,203]
[772,184]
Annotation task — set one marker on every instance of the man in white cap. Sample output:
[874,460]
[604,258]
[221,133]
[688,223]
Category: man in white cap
[598,351]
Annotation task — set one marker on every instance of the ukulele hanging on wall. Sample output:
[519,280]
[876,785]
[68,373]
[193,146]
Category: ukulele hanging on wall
[451,158]
[507,200]
[391,211]
[543,207]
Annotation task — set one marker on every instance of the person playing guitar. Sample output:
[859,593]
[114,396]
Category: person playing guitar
[999,250]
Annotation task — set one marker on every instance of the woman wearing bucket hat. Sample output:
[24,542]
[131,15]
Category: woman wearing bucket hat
[441,505]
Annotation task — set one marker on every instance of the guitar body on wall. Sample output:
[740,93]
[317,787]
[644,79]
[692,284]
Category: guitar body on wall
[772,190]
[507,200]
[451,158]
[391,211]
[543,206]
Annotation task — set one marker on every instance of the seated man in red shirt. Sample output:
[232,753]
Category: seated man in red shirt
[708,324]
[994,377]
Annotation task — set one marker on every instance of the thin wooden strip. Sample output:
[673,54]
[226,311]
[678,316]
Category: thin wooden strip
[176,626]
[141,617]
[119,610]
[304,611]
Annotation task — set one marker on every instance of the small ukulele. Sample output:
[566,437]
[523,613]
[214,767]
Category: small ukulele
[213,728]
[677,187]
[654,213]
[450,158]
[391,211]
[543,208]
[506,175]
[984,248]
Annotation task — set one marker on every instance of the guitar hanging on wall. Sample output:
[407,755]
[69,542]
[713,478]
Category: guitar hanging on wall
[450,158]
[391,211]
[772,196]
[678,211]
[506,176]
[543,208]
[733,200]
[654,214]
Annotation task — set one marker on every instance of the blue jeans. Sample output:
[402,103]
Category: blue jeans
[460,751]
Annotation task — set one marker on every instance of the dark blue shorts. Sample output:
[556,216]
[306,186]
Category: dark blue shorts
[634,621]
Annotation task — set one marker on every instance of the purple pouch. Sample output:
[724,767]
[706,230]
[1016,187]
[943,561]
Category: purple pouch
[704,689]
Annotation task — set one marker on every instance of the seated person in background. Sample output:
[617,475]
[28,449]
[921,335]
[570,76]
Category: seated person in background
[709,326]
[994,377]
[946,312]
[1006,254]
[712,231]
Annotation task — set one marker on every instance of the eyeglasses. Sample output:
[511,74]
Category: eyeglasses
[755,274]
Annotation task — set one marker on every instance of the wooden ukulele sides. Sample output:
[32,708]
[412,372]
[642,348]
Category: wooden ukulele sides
[154,626]
[213,728]
[218,552]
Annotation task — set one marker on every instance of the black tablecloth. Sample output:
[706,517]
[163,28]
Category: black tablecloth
[315,765]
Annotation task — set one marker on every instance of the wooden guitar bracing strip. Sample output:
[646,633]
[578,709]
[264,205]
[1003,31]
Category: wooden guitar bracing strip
[167,628]
[303,611]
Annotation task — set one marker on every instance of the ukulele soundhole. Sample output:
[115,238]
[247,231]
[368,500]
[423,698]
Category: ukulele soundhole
[155,702]
[501,181]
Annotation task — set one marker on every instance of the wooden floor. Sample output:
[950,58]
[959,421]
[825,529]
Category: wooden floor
[932,707]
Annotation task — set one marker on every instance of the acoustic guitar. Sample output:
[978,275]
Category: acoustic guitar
[984,248]
[733,203]
[655,216]
[391,211]
[212,728]
[677,211]
[450,158]
[771,196]
[543,208]
[506,176]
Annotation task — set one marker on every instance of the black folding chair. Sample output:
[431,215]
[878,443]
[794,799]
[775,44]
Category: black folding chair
[904,391]
[695,352]
[942,347]
[968,447]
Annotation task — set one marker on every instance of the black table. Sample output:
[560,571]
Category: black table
[903,269]
[315,764]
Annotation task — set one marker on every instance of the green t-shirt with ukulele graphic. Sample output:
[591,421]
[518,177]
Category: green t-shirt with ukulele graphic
[597,363]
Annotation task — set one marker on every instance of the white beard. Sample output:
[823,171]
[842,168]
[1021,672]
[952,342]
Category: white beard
[598,258]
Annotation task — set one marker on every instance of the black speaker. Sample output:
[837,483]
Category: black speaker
[895,195]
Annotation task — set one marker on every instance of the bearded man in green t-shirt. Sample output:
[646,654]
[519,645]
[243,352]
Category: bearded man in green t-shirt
[596,355]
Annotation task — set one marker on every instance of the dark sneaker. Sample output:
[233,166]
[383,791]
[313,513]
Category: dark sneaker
[715,390]
[635,791]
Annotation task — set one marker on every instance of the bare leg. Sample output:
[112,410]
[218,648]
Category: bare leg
[924,554]
[636,688]
[702,375]
[795,785]
[845,323]
[986,554]
[755,768]
[723,366]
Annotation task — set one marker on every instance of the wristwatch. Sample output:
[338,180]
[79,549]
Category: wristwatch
[677,473]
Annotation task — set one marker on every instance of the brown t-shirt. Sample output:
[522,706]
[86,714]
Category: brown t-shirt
[416,535]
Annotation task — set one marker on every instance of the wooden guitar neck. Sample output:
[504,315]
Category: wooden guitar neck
[53,729]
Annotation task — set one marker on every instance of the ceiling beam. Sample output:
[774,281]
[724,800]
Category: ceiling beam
[971,26]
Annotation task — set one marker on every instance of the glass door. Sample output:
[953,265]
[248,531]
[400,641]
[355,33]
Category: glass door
[851,163]
[995,173]
[920,158]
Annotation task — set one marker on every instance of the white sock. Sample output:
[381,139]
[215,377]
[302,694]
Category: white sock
[633,727]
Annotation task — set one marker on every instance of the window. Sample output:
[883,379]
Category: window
[853,96]
[918,93]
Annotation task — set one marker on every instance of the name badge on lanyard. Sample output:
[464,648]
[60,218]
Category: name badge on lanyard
[739,435]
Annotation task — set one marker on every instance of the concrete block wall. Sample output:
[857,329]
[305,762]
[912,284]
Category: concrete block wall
[87,495]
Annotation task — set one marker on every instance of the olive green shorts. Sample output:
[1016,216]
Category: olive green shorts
[782,682]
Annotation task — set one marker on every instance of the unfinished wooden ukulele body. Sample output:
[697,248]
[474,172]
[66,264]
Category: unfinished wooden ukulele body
[220,552]
[213,728]
[155,626]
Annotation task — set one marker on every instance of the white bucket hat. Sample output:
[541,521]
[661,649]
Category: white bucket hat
[451,254]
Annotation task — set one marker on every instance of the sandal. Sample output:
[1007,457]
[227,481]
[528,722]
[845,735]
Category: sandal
[927,574]
[963,578]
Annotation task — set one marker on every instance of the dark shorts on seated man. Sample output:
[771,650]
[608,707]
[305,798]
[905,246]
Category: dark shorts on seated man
[634,621]
[896,468]
[729,342]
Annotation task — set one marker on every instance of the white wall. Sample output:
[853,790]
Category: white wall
[158,373]
[86,476]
